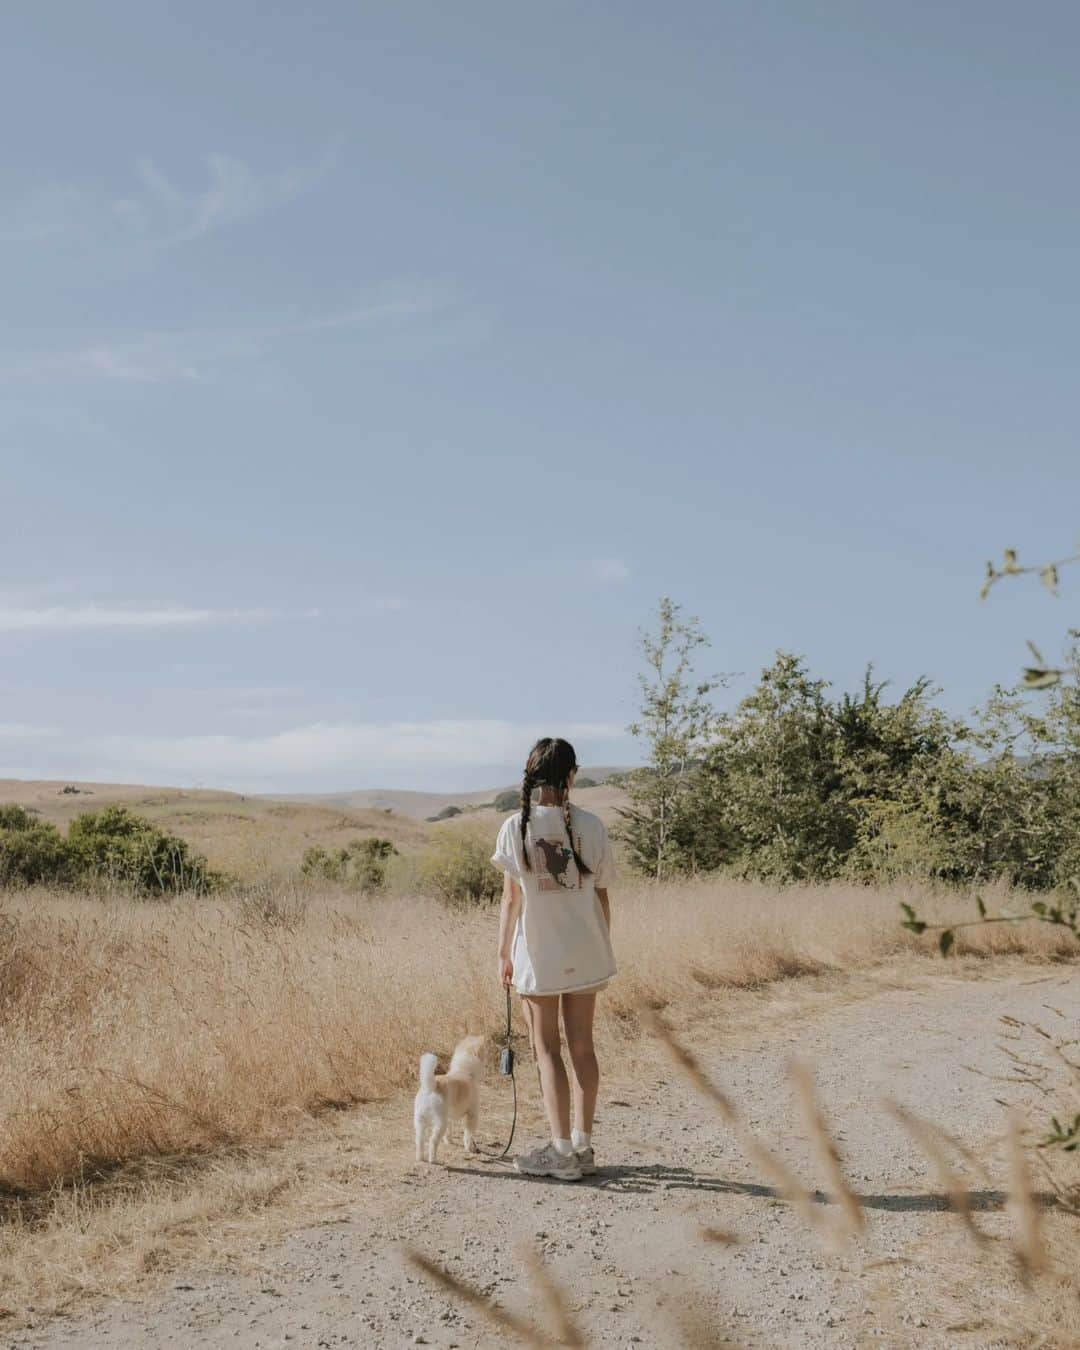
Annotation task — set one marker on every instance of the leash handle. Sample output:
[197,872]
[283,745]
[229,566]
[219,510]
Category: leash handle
[506,1056]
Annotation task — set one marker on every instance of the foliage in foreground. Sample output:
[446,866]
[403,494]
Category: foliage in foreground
[110,847]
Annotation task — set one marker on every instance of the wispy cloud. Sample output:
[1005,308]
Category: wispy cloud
[610,569]
[25,731]
[83,618]
[165,356]
[319,754]
[156,211]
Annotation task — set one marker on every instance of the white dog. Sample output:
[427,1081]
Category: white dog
[444,1097]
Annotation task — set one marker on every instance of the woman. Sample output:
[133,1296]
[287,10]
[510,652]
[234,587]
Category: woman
[555,946]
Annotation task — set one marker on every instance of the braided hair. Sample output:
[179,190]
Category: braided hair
[550,764]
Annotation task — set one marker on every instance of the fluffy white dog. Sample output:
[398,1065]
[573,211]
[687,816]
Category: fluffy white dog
[443,1097]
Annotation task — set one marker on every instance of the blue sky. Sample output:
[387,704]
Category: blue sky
[367,371]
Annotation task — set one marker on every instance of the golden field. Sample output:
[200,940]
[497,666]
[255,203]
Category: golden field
[136,1029]
[175,1070]
[251,837]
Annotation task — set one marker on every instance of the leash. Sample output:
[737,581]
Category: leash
[506,1068]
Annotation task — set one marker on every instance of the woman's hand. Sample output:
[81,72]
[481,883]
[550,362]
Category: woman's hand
[508,917]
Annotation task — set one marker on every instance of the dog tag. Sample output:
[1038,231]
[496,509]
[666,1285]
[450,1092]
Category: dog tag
[506,1061]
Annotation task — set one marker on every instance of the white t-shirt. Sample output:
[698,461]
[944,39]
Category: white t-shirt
[561,942]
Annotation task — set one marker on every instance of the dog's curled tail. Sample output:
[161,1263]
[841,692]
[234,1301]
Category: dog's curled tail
[428,1064]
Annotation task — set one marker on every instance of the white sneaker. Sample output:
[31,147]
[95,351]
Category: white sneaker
[586,1160]
[547,1161]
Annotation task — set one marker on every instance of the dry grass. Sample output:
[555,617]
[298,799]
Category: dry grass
[244,836]
[142,1037]
[137,1030]
[251,837]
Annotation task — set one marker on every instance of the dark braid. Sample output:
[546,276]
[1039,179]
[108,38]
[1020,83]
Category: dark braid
[526,808]
[550,764]
[583,871]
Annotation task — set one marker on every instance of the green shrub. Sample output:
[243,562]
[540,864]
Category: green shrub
[32,851]
[456,866]
[447,813]
[117,846]
[509,800]
[585,782]
[361,863]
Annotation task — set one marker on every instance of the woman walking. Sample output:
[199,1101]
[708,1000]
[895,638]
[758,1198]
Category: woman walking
[555,946]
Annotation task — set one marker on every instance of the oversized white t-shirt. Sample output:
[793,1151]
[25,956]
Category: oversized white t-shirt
[561,942]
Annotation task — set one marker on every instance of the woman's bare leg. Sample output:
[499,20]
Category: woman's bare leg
[542,1011]
[578,1011]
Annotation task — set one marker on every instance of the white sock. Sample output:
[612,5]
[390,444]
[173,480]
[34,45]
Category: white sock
[563,1147]
[580,1140]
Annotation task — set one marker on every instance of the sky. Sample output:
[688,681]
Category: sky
[369,371]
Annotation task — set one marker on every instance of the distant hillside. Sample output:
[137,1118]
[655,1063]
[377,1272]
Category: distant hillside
[242,835]
[423,805]
[604,800]
[249,836]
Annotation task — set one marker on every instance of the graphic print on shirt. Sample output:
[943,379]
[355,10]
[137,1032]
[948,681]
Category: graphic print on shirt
[556,869]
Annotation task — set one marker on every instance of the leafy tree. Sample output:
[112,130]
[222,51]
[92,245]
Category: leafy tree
[1057,775]
[676,723]
[361,863]
[776,779]
[806,787]
[796,784]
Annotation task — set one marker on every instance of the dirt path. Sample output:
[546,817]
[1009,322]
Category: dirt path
[625,1243]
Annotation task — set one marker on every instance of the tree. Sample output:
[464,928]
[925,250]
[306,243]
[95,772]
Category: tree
[676,722]
[1062,770]
[775,777]
[806,787]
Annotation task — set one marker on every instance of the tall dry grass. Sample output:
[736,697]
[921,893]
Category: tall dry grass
[135,1031]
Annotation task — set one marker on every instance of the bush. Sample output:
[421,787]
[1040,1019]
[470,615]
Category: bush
[32,851]
[117,846]
[456,867]
[361,863]
[585,782]
[509,800]
[447,813]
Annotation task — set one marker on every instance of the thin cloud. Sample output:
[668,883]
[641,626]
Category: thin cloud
[235,192]
[610,569]
[360,752]
[87,618]
[25,731]
[157,212]
[166,356]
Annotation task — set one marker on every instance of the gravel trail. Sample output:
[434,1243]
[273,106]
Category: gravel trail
[625,1244]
